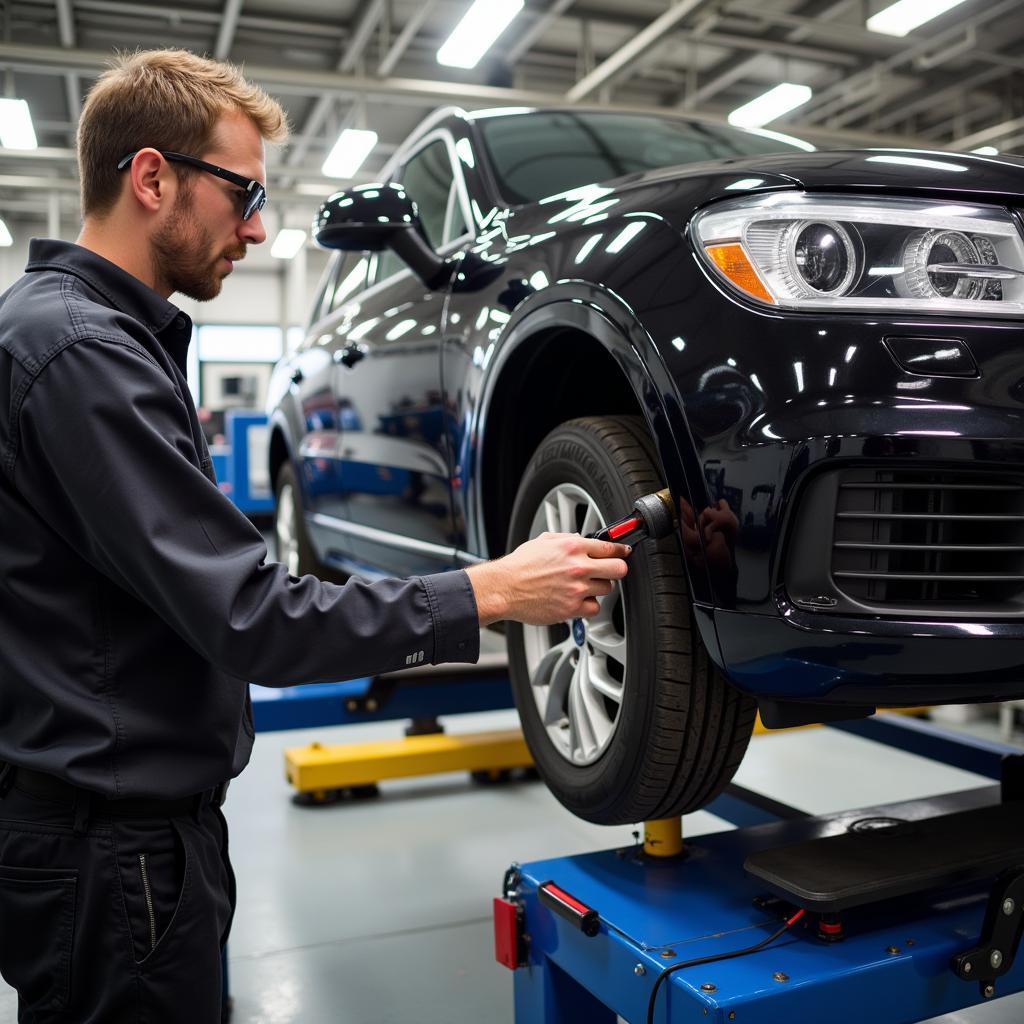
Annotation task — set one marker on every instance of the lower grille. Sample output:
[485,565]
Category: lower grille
[934,539]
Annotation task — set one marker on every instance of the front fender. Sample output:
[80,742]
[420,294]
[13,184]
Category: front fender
[608,320]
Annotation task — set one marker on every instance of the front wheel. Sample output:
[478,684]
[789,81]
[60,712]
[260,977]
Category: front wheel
[625,714]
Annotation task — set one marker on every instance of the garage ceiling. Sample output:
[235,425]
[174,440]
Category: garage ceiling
[955,82]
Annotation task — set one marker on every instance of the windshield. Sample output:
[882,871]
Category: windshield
[543,153]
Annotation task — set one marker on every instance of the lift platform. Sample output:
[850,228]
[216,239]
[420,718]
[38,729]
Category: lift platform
[321,772]
[899,912]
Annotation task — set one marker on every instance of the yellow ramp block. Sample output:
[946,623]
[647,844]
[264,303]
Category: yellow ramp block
[340,765]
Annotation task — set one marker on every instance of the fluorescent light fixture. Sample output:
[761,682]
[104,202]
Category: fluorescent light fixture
[475,34]
[288,242]
[770,105]
[906,15]
[349,152]
[16,131]
[5,234]
[986,151]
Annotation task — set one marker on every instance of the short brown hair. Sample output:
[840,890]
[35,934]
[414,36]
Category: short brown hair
[167,99]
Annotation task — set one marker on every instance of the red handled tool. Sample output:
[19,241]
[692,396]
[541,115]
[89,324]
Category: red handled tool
[653,517]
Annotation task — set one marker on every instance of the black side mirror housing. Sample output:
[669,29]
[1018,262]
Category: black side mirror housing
[371,218]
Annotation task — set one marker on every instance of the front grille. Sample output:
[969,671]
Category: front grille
[934,539]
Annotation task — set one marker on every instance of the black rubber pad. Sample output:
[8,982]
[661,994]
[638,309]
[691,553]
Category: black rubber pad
[878,860]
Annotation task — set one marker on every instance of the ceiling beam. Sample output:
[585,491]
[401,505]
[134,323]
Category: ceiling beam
[228,25]
[66,34]
[639,44]
[928,98]
[368,21]
[991,134]
[405,37]
[905,56]
[543,22]
[728,71]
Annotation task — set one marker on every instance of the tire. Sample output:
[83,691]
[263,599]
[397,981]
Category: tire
[294,548]
[653,732]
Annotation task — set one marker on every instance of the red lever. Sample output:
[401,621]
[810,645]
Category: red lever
[621,529]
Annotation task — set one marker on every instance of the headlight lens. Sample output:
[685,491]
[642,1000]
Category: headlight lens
[846,253]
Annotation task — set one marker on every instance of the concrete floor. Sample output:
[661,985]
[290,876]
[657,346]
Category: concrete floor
[379,912]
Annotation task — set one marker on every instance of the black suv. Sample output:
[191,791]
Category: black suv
[542,314]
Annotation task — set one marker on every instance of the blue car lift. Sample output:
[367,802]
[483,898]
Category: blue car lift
[898,913]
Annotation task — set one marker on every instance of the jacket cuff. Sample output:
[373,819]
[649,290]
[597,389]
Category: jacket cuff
[455,616]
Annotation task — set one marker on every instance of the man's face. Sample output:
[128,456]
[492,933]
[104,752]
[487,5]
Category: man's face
[203,235]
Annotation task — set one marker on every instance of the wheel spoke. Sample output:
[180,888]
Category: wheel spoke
[581,710]
[555,672]
[602,682]
[607,641]
[591,521]
[551,515]
[605,610]
[567,512]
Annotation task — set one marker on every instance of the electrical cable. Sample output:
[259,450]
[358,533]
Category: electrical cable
[714,959]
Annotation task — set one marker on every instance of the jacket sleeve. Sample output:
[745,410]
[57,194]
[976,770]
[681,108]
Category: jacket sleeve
[107,458]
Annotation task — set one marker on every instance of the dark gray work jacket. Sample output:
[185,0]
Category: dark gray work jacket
[136,602]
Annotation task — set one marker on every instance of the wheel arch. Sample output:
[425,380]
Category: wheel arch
[279,450]
[574,356]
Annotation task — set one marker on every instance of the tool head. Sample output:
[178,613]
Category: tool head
[658,513]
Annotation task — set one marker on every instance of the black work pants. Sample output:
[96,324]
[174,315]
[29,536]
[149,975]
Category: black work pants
[122,921]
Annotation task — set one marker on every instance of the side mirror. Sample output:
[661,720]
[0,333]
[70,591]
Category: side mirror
[371,218]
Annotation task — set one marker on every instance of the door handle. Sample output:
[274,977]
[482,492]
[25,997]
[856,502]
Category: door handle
[349,355]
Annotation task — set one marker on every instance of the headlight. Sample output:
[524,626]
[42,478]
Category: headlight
[811,252]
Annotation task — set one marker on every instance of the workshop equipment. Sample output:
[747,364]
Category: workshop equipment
[653,516]
[321,772]
[912,909]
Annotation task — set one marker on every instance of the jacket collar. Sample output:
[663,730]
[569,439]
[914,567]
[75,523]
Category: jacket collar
[122,290]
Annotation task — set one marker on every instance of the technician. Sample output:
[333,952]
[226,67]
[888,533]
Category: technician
[136,602]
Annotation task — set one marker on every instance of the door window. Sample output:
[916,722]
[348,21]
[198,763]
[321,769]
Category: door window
[430,180]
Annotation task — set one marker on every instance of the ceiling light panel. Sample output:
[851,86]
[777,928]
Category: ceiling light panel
[475,34]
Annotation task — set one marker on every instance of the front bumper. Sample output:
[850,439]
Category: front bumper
[833,660]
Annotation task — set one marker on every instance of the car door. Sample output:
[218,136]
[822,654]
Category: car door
[393,458]
[323,413]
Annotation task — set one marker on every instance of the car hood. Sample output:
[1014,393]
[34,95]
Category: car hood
[904,171]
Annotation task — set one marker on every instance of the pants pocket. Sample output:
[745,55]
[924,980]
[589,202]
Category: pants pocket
[153,866]
[37,925]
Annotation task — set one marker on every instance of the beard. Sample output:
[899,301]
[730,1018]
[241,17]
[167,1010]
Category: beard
[181,254]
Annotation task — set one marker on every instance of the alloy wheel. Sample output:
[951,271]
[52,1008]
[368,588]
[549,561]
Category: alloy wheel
[578,668]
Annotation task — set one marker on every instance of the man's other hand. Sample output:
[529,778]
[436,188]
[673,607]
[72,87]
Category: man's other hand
[552,578]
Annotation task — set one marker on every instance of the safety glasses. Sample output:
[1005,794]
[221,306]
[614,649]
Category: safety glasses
[255,191]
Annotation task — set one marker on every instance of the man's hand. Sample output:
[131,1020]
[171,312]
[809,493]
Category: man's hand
[552,578]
